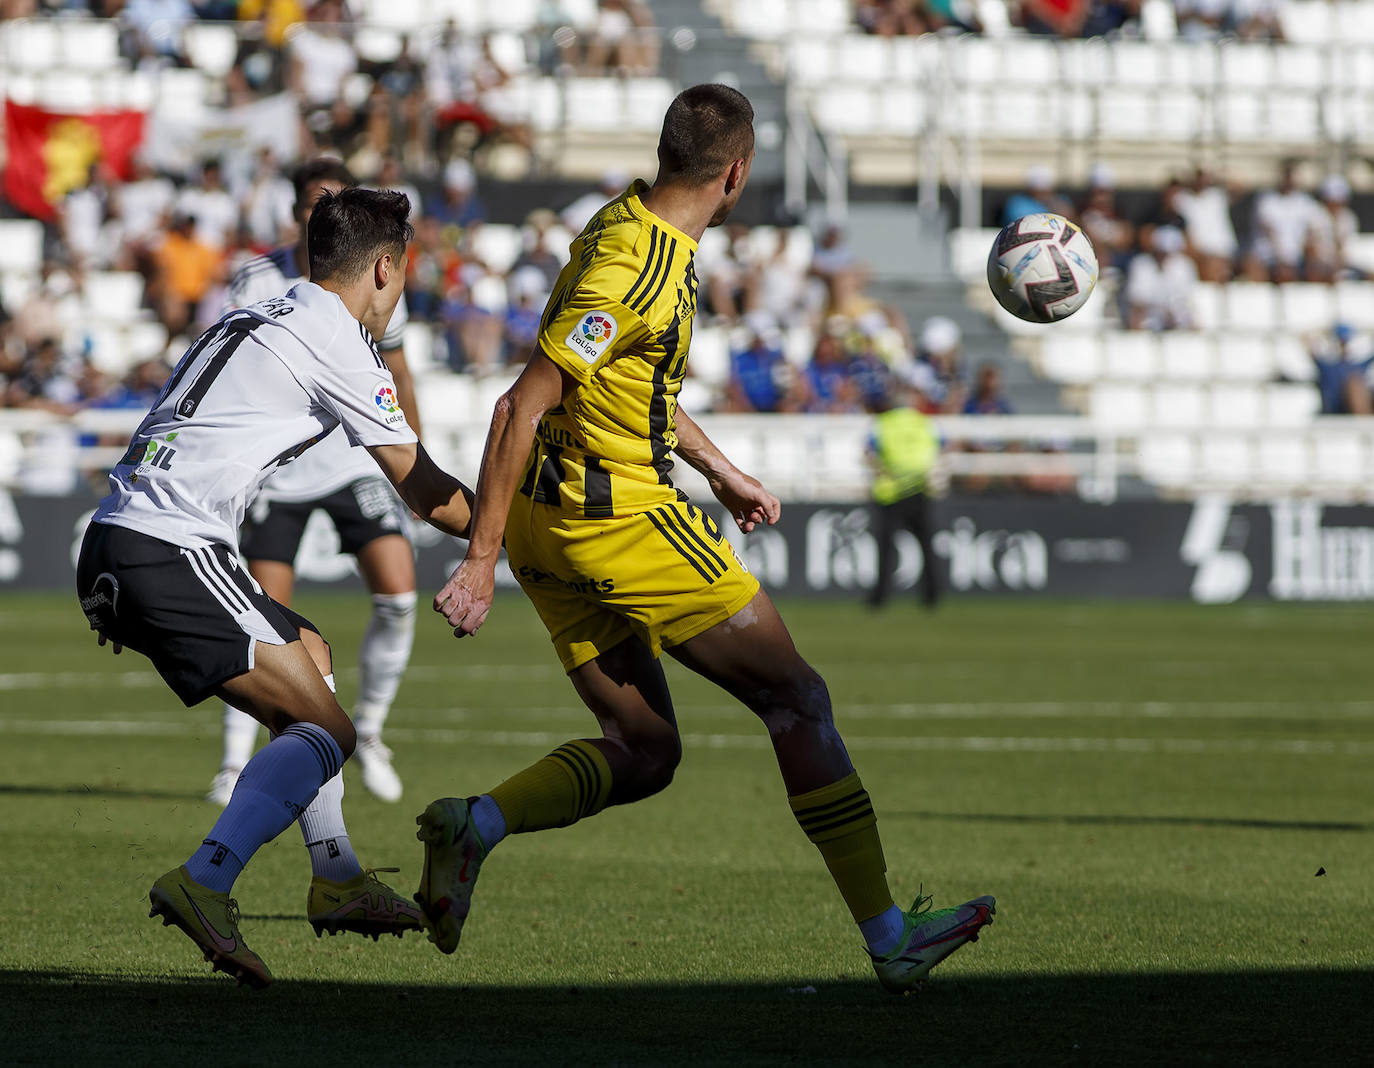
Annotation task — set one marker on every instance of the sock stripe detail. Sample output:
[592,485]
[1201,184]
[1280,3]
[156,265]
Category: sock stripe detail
[593,778]
[329,764]
[856,821]
[821,811]
[586,775]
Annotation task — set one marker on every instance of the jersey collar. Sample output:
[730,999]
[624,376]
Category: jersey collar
[632,200]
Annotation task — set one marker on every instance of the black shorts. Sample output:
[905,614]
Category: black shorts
[361,512]
[195,613]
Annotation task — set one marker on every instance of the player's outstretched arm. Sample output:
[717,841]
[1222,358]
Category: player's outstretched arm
[466,597]
[431,492]
[749,503]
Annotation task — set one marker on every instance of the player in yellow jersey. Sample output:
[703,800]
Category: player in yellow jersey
[621,567]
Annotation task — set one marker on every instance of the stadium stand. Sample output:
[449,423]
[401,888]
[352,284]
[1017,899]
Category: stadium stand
[1231,401]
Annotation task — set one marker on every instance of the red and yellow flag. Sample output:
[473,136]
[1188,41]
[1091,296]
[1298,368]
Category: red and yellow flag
[51,153]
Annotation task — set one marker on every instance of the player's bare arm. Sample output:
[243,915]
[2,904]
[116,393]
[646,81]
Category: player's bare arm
[749,503]
[466,597]
[431,492]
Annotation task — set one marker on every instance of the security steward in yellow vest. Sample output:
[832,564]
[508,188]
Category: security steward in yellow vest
[903,450]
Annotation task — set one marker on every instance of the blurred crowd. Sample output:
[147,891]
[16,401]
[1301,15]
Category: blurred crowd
[1201,229]
[1248,20]
[428,96]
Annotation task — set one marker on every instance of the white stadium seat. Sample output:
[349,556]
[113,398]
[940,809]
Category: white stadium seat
[211,46]
[1306,306]
[89,44]
[1236,404]
[1251,306]
[1119,406]
[1283,458]
[1291,404]
[1339,458]
[1074,359]
[1168,459]
[497,245]
[32,44]
[1225,458]
[21,245]
[863,57]
[114,296]
[1243,357]
[1178,404]
[1131,355]
[1186,356]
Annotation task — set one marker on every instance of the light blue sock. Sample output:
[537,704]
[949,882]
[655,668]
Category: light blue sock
[274,788]
[488,821]
[883,931]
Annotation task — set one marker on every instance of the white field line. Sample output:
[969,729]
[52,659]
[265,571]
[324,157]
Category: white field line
[759,740]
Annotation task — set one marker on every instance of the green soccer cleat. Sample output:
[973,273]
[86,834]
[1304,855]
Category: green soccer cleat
[364,905]
[453,856]
[211,921]
[928,937]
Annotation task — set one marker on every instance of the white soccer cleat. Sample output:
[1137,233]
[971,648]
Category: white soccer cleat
[379,777]
[222,786]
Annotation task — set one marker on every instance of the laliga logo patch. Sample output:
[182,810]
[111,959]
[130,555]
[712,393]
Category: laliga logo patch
[385,399]
[593,332]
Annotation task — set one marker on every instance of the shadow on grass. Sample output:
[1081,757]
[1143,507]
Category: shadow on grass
[1226,1018]
[118,793]
[1139,821]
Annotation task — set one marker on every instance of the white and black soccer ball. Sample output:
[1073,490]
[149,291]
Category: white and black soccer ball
[1042,268]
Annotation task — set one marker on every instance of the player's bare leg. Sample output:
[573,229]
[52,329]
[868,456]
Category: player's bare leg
[240,730]
[751,655]
[635,757]
[388,567]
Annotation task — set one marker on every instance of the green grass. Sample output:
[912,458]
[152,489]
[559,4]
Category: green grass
[1149,790]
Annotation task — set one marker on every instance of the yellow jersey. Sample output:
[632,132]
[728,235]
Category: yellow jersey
[619,322]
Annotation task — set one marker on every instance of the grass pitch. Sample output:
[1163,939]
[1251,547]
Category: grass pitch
[1149,789]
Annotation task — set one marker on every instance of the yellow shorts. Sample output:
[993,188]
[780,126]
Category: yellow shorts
[666,575]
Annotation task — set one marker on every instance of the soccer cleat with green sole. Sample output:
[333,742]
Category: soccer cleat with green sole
[211,921]
[928,937]
[453,856]
[364,905]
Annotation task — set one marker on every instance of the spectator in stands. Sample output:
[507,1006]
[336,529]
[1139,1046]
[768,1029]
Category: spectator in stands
[463,83]
[1160,284]
[539,252]
[938,370]
[83,215]
[459,208]
[267,203]
[433,271]
[527,291]
[321,61]
[1200,20]
[623,41]
[1255,20]
[1077,18]
[988,396]
[144,204]
[474,326]
[392,178]
[1283,230]
[1112,236]
[216,212]
[826,385]
[186,268]
[761,379]
[729,281]
[157,27]
[1334,227]
[1039,195]
[45,380]
[138,389]
[892,18]
[577,214]
[835,264]
[1342,360]
[1205,210]
[780,287]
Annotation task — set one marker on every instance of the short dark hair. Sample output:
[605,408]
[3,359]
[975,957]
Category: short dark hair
[707,128]
[320,169]
[351,229]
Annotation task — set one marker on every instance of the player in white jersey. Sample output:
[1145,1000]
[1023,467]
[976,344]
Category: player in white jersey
[158,569]
[343,483]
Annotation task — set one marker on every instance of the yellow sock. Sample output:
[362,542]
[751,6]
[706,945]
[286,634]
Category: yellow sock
[839,819]
[571,783]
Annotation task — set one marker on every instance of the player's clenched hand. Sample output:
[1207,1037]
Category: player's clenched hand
[115,647]
[749,503]
[465,599]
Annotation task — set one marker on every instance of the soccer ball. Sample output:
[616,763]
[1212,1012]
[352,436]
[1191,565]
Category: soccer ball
[1042,268]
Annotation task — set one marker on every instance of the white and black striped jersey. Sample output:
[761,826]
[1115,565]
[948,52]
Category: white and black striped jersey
[331,464]
[255,391]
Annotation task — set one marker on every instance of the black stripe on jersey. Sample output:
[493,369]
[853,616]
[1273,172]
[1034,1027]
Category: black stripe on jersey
[658,412]
[694,540]
[371,343]
[667,267]
[648,259]
[234,332]
[598,490]
[546,490]
[639,302]
[669,538]
[527,487]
